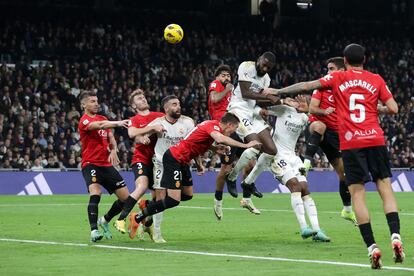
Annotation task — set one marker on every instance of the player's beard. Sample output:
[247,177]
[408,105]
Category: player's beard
[175,115]
[259,72]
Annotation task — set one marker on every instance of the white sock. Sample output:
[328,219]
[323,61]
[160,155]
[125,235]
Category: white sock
[262,164]
[310,208]
[348,208]
[157,221]
[395,236]
[371,247]
[244,159]
[299,209]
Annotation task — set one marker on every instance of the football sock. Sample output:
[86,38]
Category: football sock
[246,194]
[344,193]
[393,222]
[310,208]
[128,206]
[312,145]
[244,159]
[263,163]
[366,233]
[159,206]
[185,197]
[157,221]
[116,208]
[93,211]
[298,208]
[218,195]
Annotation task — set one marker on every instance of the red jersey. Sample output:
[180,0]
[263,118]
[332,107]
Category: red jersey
[356,94]
[95,144]
[197,142]
[217,110]
[144,153]
[326,99]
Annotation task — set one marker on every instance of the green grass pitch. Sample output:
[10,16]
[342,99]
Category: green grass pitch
[274,233]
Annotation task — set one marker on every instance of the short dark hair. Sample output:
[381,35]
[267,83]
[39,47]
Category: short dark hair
[86,94]
[229,118]
[338,61]
[167,98]
[354,54]
[221,68]
[270,57]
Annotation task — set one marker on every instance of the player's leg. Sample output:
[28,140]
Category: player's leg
[317,130]
[311,211]
[356,174]
[330,146]
[160,194]
[296,201]
[226,166]
[264,162]
[379,167]
[246,201]
[93,177]
[141,172]
[172,180]
[247,130]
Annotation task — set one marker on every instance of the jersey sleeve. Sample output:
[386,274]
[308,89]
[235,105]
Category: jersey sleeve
[244,71]
[134,122]
[384,93]
[276,110]
[214,86]
[84,124]
[317,94]
[329,80]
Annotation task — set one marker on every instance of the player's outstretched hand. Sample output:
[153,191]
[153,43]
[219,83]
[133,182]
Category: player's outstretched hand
[229,87]
[254,144]
[201,169]
[270,91]
[145,140]
[329,110]
[113,158]
[158,128]
[303,103]
[291,102]
[124,123]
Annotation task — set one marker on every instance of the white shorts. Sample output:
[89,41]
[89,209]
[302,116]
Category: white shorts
[158,171]
[249,122]
[285,167]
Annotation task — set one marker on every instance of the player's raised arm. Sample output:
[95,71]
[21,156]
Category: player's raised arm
[148,130]
[222,139]
[297,88]
[107,124]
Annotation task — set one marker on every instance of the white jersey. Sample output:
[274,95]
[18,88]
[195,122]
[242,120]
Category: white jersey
[288,127]
[174,133]
[247,72]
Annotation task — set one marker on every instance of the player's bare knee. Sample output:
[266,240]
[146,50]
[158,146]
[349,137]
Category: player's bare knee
[294,186]
[318,127]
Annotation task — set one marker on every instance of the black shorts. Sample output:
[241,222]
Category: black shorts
[330,145]
[107,177]
[141,169]
[175,175]
[228,159]
[362,164]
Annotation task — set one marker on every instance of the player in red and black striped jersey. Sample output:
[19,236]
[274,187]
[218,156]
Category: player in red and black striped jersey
[323,133]
[142,165]
[356,94]
[99,156]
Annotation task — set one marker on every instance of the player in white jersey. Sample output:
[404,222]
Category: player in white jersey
[252,79]
[176,127]
[288,168]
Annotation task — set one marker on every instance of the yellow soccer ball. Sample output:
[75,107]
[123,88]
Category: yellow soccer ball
[173,33]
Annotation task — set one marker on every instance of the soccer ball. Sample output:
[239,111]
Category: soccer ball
[173,33]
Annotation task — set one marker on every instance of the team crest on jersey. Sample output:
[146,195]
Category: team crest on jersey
[213,85]
[226,158]
[140,171]
[348,135]
[217,128]
[177,184]
[181,131]
[85,122]
[93,179]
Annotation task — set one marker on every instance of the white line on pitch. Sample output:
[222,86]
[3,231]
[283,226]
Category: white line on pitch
[181,206]
[212,254]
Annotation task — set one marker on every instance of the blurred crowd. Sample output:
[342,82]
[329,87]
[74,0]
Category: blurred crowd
[45,66]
